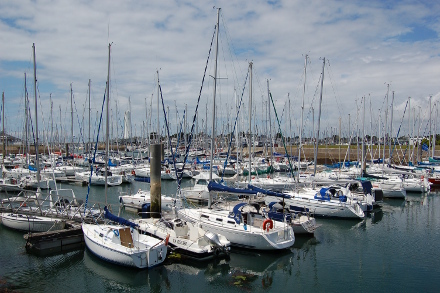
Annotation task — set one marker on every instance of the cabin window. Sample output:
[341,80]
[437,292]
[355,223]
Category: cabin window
[231,222]
[205,216]
[219,219]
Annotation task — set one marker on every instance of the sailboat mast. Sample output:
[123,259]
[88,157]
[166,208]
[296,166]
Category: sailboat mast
[270,125]
[250,121]
[391,127]
[430,132]
[290,128]
[3,125]
[386,126]
[107,122]
[409,130]
[158,124]
[213,104]
[51,123]
[26,113]
[319,118]
[236,132]
[349,138]
[36,120]
[302,116]
[435,130]
[71,115]
[88,144]
[363,163]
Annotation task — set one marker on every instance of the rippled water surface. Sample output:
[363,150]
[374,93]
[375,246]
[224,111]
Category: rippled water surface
[396,248]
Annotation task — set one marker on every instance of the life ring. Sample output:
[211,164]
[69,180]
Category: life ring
[133,172]
[167,171]
[423,177]
[116,233]
[167,239]
[267,225]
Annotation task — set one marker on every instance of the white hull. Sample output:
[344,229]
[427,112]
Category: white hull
[304,225]
[31,223]
[105,243]
[280,237]
[322,208]
[184,237]
[113,180]
[143,197]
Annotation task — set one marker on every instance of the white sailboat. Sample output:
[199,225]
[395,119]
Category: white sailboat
[241,230]
[31,223]
[320,202]
[121,243]
[185,237]
[142,197]
[124,245]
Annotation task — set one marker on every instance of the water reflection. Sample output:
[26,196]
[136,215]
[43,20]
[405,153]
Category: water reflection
[113,274]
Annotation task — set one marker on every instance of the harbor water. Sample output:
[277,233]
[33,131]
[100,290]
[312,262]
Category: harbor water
[394,249]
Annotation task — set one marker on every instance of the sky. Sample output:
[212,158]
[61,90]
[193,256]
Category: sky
[373,49]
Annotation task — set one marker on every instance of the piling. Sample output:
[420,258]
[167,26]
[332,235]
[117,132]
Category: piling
[155,186]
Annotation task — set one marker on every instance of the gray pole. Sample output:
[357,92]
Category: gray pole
[270,124]
[386,127]
[363,164]
[409,130]
[3,123]
[250,121]
[26,105]
[391,128]
[319,117]
[302,117]
[349,138]
[51,123]
[158,124]
[213,104]
[88,145]
[71,114]
[107,123]
[430,132]
[37,159]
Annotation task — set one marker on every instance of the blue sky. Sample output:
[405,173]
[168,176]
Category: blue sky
[368,44]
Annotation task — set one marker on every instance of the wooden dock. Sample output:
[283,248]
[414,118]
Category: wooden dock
[54,242]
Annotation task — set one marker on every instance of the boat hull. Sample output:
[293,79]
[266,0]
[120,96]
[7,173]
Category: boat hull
[99,242]
[31,223]
[251,237]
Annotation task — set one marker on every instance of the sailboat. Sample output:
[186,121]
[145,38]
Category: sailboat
[32,223]
[120,242]
[241,229]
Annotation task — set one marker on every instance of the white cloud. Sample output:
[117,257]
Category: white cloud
[360,39]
